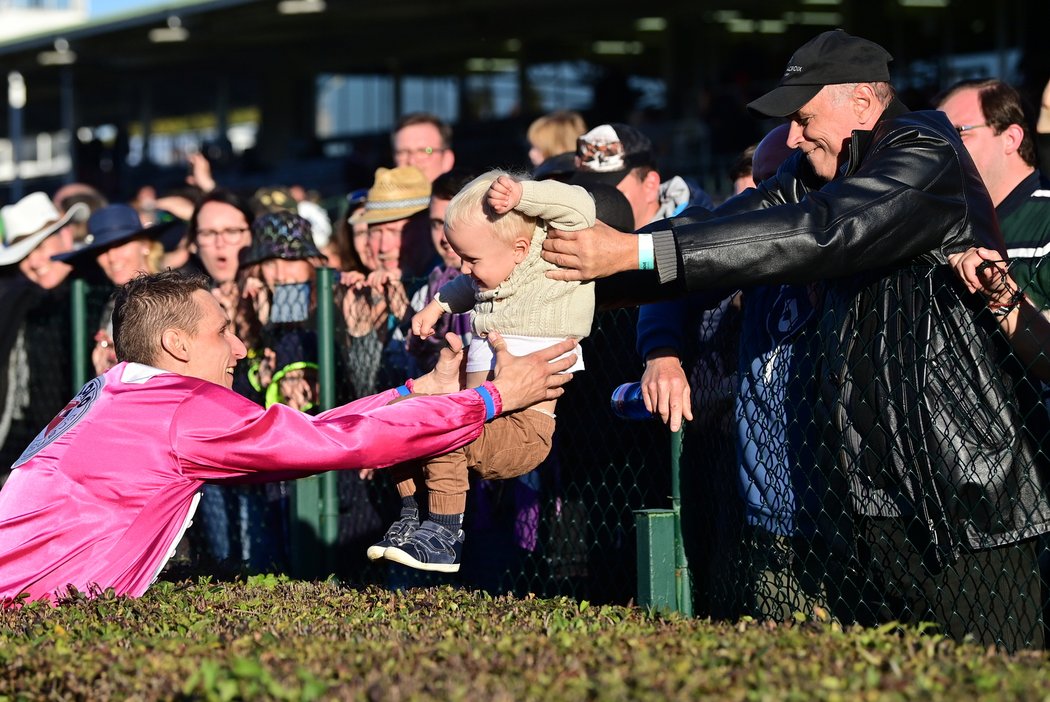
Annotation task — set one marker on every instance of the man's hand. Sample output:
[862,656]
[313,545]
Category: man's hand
[983,270]
[526,380]
[297,390]
[448,374]
[590,253]
[103,355]
[200,172]
[352,279]
[665,390]
[381,279]
[504,194]
[255,290]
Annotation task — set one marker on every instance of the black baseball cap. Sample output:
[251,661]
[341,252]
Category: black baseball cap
[830,58]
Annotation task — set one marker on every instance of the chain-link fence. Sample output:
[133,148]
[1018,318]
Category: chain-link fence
[875,461]
[35,376]
[565,528]
[885,462]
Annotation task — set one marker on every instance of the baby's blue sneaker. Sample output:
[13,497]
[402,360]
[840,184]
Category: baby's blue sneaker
[431,547]
[397,534]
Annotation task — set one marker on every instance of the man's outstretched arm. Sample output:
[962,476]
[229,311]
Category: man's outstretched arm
[222,436]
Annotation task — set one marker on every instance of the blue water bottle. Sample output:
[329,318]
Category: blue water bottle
[627,402]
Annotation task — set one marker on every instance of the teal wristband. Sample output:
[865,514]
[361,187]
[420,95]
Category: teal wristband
[646,258]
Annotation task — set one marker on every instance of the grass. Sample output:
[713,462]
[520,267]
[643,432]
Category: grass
[274,638]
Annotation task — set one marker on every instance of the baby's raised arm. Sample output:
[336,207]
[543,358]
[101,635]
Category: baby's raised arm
[423,321]
[504,194]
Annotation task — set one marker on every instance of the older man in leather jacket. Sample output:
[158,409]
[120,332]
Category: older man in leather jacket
[924,449]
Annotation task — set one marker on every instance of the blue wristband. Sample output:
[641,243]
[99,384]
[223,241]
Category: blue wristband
[646,257]
[490,404]
[402,390]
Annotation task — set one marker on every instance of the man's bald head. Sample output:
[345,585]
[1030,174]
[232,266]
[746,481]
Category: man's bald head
[770,153]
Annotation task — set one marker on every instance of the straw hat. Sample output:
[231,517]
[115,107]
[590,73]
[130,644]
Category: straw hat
[396,194]
[28,222]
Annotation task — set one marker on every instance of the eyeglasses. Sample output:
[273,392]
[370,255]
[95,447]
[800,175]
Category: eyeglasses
[425,152]
[209,237]
[962,128]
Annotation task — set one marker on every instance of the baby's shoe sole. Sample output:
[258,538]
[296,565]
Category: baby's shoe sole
[398,556]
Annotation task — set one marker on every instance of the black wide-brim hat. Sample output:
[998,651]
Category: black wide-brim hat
[115,224]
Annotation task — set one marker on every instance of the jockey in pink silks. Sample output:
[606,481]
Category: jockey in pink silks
[102,496]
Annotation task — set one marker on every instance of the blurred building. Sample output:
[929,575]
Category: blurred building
[24,17]
[307,90]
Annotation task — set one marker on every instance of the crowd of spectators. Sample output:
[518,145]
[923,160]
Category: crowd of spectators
[799,326]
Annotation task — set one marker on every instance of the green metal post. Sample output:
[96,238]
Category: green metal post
[305,533]
[329,521]
[79,337]
[315,507]
[683,581]
[655,531]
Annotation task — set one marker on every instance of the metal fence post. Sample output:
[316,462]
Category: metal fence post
[305,552]
[664,581]
[78,333]
[315,507]
[655,531]
[329,518]
[683,581]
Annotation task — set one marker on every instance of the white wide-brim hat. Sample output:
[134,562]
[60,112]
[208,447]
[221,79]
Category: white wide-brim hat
[29,221]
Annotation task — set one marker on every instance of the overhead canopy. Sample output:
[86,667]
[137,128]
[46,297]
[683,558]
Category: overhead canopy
[247,52]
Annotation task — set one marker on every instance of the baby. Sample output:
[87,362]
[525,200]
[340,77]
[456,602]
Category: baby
[497,225]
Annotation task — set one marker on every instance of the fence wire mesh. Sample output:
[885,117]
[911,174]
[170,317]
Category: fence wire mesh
[870,450]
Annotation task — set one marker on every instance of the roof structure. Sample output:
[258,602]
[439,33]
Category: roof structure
[240,53]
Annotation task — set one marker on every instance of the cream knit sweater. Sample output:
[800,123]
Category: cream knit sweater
[528,303]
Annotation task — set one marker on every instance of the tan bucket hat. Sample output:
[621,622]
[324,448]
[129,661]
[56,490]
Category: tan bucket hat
[396,194]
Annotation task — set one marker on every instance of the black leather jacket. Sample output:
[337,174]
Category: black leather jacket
[921,417]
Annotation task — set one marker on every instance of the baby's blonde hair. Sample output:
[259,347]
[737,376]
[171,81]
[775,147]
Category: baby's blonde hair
[471,205]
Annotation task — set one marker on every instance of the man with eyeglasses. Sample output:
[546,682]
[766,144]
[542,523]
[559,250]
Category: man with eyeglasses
[990,118]
[424,140]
